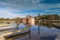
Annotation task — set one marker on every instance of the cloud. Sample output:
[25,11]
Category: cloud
[7,14]
[23,5]
[21,8]
[10,13]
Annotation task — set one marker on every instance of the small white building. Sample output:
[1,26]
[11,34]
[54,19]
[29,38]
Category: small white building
[29,20]
[32,21]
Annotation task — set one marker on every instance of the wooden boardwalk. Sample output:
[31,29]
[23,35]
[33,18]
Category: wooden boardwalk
[8,34]
[56,24]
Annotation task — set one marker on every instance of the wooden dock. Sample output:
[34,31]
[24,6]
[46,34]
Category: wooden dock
[12,33]
[57,25]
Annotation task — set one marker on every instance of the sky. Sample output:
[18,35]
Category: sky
[22,8]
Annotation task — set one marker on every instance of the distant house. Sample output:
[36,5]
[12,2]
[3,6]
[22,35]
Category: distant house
[28,20]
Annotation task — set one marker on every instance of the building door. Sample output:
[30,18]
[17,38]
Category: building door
[26,21]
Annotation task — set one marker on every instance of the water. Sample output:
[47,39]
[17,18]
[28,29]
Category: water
[38,32]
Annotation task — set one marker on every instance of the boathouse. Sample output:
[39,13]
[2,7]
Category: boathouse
[28,20]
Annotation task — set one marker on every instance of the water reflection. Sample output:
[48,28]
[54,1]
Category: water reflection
[40,31]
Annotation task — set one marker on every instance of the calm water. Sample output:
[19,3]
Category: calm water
[38,32]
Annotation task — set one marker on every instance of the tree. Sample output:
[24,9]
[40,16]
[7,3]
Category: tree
[17,20]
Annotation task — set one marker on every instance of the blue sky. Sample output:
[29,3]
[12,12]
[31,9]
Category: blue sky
[22,8]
